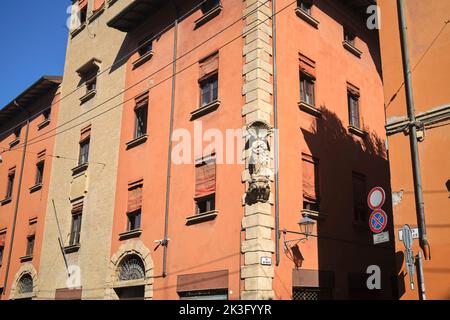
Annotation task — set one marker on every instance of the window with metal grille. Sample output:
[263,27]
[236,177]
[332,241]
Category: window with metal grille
[75,230]
[360,209]
[307,85]
[131,268]
[141,120]
[302,293]
[25,284]
[353,110]
[209,89]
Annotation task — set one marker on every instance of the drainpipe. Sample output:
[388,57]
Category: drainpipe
[16,207]
[165,242]
[275,123]
[423,239]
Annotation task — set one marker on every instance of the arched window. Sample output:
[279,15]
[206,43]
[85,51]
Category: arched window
[25,284]
[131,268]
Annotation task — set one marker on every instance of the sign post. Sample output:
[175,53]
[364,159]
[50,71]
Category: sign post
[378,219]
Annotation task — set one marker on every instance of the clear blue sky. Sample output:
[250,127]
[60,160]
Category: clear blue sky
[33,39]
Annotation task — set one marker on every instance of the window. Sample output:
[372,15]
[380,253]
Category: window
[10,186]
[141,113]
[206,204]
[205,188]
[209,90]
[2,246]
[359,197]
[349,37]
[75,229]
[39,172]
[303,293]
[30,245]
[1,254]
[91,84]
[145,47]
[353,109]
[84,152]
[46,114]
[16,137]
[307,89]
[209,5]
[83,15]
[305,5]
[311,197]
[25,284]
[134,220]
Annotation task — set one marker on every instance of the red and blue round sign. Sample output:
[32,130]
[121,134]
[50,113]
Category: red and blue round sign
[378,221]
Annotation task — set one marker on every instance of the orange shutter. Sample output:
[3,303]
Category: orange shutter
[77,208]
[98,4]
[310,178]
[353,89]
[209,66]
[85,133]
[307,65]
[41,156]
[2,239]
[82,4]
[205,179]
[32,229]
[135,196]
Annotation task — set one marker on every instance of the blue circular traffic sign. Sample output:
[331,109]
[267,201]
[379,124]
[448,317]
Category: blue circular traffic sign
[378,221]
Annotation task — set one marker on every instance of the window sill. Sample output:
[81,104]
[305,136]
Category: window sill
[78,30]
[26,258]
[307,17]
[210,107]
[88,96]
[130,234]
[143,59]
[24,296]
[315,215]
[72,248]
[352,49]
[14,143]
[81,168]
[199,218]
[312,110]
[356,131]
[211,14]
[96,14]
[43,124]
[136,142]
[36,188]
[5,201]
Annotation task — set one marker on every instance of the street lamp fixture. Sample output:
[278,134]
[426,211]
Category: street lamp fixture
[306,227]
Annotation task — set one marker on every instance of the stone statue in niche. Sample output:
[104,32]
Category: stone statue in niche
[259,163]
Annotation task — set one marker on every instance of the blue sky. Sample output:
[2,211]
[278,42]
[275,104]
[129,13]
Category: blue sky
[33,37]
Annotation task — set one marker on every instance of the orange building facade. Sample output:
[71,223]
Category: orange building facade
[25,175]
[428,39]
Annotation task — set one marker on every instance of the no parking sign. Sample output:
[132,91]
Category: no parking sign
[378,219]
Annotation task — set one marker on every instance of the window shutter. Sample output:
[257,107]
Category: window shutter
[135,196]
[11,171]
[2,239]
[205,179]
[98,4]
[32,229]
[209,66]
[353,90]
[85,133]
[307,66]
[82,4]
[40,157]
[77,208]
[310,178]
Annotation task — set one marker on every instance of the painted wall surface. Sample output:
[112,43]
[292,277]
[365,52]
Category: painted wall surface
[33,203]
[429,43]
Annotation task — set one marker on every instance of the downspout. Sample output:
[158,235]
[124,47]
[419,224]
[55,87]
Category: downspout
[16,207]
[423,239]
[275,123]
[165,243]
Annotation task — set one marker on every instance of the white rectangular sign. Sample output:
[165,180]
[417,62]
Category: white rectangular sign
[266,261]
[381,237]
[414,232]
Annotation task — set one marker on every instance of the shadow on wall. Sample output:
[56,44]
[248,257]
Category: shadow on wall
[447,184]
[345,243]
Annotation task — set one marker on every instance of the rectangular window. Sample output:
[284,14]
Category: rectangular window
[91,84]
[46,114]
[209,5]
[1,254]
[10,186]
[141,113]
[353,110]
[84,152]
[209,89]
[311,196]
[30,245]
[134,220]
[205,186]
[307,89]
[75,229]
[145,47]
[83,15]
[360,208]
[2,245]
[305,5]
[39,172]
[349,37]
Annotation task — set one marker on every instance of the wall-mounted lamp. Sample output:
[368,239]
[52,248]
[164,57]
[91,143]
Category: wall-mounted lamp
[306,226]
